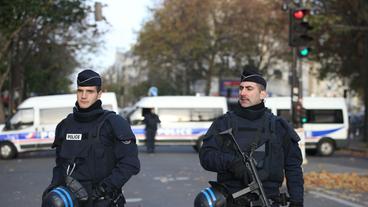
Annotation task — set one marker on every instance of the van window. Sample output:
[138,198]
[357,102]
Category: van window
[54,115]
[205,114]
[135,117]
[188,114]
[179,115]
[22,119]
[320,116]
[325,116]
[174,115]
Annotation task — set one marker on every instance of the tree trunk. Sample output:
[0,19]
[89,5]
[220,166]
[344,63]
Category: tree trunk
[2,113]
[3,78]
[365,134]
[365,88]
[209,74]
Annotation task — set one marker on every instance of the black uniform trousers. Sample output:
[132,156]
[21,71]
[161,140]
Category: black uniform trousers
[150,140]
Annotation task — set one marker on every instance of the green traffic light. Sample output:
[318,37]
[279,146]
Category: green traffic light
[304,52]
[304,120]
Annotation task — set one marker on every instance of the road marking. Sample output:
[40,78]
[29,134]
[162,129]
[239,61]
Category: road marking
[165,179]
[351,204]
[182,178]
[133,200]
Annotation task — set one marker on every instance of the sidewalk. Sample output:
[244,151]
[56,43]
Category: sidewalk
[356,146]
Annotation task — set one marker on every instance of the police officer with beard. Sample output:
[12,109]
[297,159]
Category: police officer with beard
[275,142]
[95,147]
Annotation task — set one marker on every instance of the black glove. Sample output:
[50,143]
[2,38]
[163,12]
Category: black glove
[240,171]
[295,204]
[105,191]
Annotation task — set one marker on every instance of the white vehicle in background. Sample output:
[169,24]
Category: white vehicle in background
[184,119]
[32,127]
[326,125]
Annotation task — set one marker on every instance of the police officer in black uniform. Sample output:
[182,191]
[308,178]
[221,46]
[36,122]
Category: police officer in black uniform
[275,142]
[95,147]
[150,121]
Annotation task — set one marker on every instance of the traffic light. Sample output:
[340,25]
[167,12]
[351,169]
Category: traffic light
[303,51]
[303,116]
[301,113]
[299,31]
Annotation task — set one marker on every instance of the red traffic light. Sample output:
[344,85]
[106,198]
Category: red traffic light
[299,14]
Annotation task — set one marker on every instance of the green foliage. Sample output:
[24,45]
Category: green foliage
[188,40]
[49,75]
[340,44]
[38,44]
[43,37]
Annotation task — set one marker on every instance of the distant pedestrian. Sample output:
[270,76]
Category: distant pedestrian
[151,121]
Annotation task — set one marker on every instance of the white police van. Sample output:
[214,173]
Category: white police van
[184,119]
[326,125]
[32,127]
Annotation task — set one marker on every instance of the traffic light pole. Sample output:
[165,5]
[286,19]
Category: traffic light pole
[296,94]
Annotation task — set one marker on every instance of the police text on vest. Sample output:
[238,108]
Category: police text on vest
[73,136]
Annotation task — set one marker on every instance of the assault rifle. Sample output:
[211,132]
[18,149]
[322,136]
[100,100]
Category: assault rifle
[256,185]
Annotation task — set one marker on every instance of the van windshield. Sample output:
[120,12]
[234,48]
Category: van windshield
[317,116]
[22,119]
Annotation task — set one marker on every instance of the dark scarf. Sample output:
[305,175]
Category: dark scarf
[88,114]
[250,113]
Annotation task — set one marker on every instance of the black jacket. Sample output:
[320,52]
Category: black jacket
[151,120]
[287,162]
[109,156]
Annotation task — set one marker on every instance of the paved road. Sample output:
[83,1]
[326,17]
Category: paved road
[170,177]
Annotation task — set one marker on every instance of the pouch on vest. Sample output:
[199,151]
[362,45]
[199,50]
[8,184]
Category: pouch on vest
[78,151]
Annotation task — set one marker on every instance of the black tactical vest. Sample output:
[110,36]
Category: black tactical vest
[259,135]
[84,155]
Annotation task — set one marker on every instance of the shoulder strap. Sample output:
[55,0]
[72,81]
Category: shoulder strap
[231,122]
[104,117]
[285,140]
[272,124]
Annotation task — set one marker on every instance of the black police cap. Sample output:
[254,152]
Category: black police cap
[88,78]
[251,74]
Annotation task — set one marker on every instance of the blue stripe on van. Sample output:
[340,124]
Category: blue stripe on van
[320,133]
[199,130]
[27,135]
[137,131]
[14,136]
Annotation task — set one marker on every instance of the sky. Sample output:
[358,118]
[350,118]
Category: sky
[126,18]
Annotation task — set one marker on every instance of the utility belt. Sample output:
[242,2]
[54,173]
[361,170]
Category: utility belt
[253,200]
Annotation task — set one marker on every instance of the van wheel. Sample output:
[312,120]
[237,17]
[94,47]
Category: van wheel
[7,151]
[325,148]
[199,144]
